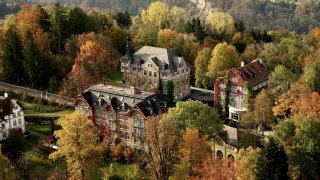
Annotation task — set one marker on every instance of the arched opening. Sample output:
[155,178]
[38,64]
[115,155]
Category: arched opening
[219,155]
[231,158]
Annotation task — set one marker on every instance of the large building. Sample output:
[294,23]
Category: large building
[151,67]
[231,92]
[11,116]
[119,112]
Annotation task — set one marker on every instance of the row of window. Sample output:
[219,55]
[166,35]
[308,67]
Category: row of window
[14,124]
[260,85]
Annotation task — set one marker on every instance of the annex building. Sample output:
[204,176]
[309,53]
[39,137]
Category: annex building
[11,116]
[150,68]
[231,93]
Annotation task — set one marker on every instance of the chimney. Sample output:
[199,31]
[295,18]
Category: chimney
[6,95]
[133,90]
[242,63]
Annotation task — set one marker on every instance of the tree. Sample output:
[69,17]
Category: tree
[272,162]
[79,144]
[177,18]
[13,146]
[157,14]
[33,63]
[269,54]
[7,170]
[77,21]
[196,28]
[220,25]
[195,115]
[280,80]
[212,168]
[123,19]
[193,150]
[251,53]
[224,57]
[161,141]
[248,159]
[315,32]
[311,72]
[261,114]
[201,66]
[12,57]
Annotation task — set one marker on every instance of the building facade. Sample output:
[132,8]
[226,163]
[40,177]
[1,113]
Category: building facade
[151,67]
[11,116]
[232,92]
[119,113]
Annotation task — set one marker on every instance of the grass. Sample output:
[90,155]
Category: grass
[115,78]
[27,108]
[44,129]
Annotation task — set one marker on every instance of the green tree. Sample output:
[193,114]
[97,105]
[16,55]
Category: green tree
[77,21]
[195,115]
[311,73]
[12,57]
[269,54]
[177,18]
[7,170]
[224,57]
[272,162]
[220,25]
[78,144]
[280,80]
[201,65]
[157,14]
[123,19]
[33,63]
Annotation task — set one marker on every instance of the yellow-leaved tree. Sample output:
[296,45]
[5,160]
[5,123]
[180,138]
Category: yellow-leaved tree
[78,144]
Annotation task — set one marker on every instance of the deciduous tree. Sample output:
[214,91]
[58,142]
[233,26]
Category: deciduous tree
[201,66]
[195,115]
[220,25]
[248,159]
[224,57]
[7,170]
[78,144]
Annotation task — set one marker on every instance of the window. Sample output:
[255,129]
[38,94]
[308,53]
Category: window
[141,122]
[127,136]
[125,127]
[149,65]
[231,96]
[14,123]
[150,73]
[235,116]
[155,74]
[144,72]
[111,133]
[103,122]
[164,74]
[4,134]
[110,116]
[233,79]
[122,135]
[104,132]
[19,122]
[19,114]
[120,116]
[3,126]
[97,121]
[135,121]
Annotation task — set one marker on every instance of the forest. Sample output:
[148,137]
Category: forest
[66,49]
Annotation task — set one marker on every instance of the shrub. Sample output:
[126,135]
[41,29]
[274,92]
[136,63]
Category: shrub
[117,153]
[42,150]
[44,109]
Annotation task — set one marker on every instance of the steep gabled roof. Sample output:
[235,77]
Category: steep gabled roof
[6,106]
[254,72]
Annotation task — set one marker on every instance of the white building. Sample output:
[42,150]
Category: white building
[11,116]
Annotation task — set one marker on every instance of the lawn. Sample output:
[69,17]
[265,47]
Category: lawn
[44,129]
[115,78]
[27,109]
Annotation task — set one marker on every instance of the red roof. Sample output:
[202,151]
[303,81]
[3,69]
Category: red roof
[254,72]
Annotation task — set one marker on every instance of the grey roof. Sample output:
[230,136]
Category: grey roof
[6,106]
[160,56]
[119,96]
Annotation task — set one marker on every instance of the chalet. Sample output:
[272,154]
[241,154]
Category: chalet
[231,93]
[11,116]
[119,112]
[155,67]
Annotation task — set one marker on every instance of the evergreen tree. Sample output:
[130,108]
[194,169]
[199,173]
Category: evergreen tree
[58,27]
[272,162]
[32,61]
[12,57]
[77,21]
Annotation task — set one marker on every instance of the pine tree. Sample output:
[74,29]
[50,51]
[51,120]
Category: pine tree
[12,57]
[272,162]
[32,61]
